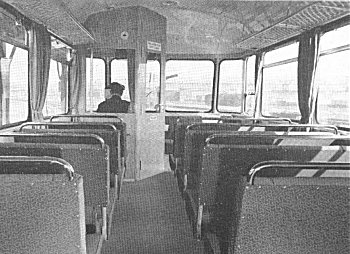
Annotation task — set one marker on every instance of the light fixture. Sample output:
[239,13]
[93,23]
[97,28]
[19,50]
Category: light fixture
[170,3]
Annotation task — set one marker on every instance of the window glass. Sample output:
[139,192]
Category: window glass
[152,84]
[56,97]
[95,92]
[279,91]
[119,73]
[283,53]
[189,85]
[230,86]
[250,89]
[333,78]
[14,79]
[335,38]
[13,70]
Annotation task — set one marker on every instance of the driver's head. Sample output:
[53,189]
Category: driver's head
[116,88]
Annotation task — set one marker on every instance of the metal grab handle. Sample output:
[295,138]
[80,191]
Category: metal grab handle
[32,124]
[54,134]
[296,126]
[87,116]
[296,165]
[272,119]
[52,160]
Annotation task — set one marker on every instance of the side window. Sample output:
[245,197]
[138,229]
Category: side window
[57,89]
[333,79]
[250,86]
[95,90]
[14,64]
[119,73]
[230,86]
[280,83]
[14,75]
[189,85]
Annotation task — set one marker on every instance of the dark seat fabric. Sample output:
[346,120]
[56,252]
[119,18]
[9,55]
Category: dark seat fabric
[307,215]
[224,174]
[41,211]
[218,134]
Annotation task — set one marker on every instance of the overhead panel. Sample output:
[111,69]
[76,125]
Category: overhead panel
[56,17]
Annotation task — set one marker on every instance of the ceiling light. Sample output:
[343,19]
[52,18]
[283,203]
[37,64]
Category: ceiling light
[170,3]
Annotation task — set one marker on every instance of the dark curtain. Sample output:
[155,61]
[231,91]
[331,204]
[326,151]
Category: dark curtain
[39,67]
[307,63]
[77,82]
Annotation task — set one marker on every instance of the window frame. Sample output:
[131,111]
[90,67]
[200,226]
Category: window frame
[105,77]
[244,81]
[213,90]
[24,47]
[326,53]
[274,64]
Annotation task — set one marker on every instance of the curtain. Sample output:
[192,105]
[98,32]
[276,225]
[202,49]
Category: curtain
[259,61]
[131,78]
[39,67]
[77,82]
[307,63]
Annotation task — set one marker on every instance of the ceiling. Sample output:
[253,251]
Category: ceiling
[196,26]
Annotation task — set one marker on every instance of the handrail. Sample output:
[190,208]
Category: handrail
[288,126]
[52,160]
[272,119]
[294,164]
[87,116]
[54,134]
[28,124]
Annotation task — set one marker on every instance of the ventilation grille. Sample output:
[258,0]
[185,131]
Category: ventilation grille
[314,15]
[56,18]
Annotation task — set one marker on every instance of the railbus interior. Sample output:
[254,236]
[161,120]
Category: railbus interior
[235,140]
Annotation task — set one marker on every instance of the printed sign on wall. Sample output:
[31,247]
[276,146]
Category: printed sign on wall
[154,46]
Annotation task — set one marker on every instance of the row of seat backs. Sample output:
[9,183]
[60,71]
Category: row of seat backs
[196,134]
[224,177]
[41,206]
[281,214]
[196,141]
[87,153]
[249,124]
[119,127]
[109,134]
[100,120]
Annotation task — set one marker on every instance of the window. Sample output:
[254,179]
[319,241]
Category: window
[95,90]
[14,72]
[152,84]
[189,85]
[230,86]
[280,83]
[250,87]
[333,78]
[14,81]
[119,73]
[56,97]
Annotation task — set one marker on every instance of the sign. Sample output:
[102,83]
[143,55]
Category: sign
[154,46]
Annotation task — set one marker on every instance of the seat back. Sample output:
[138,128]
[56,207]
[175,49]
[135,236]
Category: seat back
[41,206]
[287,214]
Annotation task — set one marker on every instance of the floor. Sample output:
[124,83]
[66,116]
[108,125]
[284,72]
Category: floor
[150,218]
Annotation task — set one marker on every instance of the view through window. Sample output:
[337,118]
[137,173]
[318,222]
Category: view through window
[280,83]
[333,78]
[230,86]
[189,85]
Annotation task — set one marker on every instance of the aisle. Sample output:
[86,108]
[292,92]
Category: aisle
[150,218]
